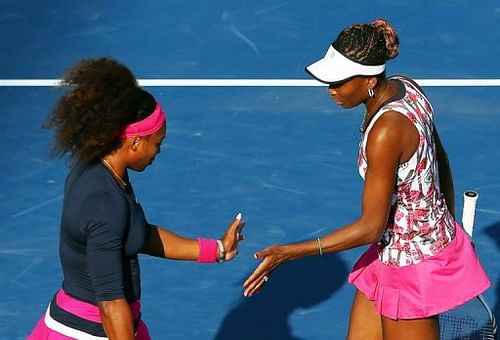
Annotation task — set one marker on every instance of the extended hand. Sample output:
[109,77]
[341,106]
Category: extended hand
[271,258]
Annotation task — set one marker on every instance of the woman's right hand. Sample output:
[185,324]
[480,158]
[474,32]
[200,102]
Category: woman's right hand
[271,258]
[232,237]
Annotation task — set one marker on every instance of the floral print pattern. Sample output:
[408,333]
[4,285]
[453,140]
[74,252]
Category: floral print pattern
[419,224]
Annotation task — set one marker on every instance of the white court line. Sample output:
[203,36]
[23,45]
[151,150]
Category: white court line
[251,82]
[24,212]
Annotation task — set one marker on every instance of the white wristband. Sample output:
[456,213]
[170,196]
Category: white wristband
[221,256]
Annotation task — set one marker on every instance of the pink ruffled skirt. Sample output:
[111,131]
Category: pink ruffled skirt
[49,329]
[433,286]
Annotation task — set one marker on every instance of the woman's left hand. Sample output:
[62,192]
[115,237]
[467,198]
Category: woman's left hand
[232,237]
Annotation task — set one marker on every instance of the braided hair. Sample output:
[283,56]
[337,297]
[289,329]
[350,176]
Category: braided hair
[102,97]
[368,44]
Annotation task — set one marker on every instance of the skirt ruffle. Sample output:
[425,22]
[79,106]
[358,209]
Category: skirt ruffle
[433,286]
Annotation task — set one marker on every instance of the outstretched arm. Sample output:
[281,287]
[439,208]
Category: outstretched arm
[167,244]
[385,150]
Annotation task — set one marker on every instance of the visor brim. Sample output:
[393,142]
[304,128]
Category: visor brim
[335,68]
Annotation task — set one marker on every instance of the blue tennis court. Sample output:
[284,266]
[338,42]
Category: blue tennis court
[283,155]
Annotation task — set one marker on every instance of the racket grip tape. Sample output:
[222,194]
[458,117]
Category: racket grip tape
[469,211]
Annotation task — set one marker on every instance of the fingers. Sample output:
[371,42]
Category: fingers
[236,228]
[240,237]
[262,254]
[233,236]
[237,224]
[255,285]
[239,230]
[257,276]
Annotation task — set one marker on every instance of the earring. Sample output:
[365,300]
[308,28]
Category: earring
[371,93]
[135,143]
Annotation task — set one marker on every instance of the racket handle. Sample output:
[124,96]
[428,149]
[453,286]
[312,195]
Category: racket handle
[469,212]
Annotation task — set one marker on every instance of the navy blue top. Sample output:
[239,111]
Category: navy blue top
[102,230]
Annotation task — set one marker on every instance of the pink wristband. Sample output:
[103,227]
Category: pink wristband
[208,250]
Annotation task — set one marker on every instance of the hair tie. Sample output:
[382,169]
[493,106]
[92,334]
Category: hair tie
[378,21]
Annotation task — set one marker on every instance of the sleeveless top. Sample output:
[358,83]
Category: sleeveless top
[419,224]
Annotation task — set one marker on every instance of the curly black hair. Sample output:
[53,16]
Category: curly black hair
[101,98]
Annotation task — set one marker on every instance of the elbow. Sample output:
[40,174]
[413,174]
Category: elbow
[373,232]
[106,308]
[109,309]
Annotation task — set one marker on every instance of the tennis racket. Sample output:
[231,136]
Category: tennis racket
[474,319]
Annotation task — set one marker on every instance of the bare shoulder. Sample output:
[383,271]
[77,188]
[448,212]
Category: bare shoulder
[393,132]
[391,125]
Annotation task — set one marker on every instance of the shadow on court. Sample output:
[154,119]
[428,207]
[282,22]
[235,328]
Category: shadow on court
[300,284]
[493,231]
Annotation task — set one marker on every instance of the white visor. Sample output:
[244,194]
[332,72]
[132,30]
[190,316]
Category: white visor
[334,67]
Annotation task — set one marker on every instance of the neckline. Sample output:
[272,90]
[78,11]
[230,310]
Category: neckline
[122,183]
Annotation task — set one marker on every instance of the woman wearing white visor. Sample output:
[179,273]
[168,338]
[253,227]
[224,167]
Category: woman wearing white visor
[417,250]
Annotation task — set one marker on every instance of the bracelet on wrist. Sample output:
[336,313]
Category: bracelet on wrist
[320,248]
[221,254]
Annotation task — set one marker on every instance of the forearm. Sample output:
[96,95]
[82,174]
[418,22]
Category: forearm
[117,319]
[166,244]
[350,236]
[354,235]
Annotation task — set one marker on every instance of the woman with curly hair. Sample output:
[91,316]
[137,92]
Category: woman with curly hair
[417,251]
[108,125]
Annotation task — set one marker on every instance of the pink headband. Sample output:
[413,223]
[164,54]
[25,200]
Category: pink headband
[148,125]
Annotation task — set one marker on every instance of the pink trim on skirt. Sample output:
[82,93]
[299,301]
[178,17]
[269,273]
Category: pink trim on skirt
[433,286]
[85,311]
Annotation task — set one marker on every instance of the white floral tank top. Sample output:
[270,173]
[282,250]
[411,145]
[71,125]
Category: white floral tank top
[419,224]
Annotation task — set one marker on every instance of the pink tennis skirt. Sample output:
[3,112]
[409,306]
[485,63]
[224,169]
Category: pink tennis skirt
[49,329]
[433,286]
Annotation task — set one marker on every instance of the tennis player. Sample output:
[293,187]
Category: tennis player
[108,125]
[420,262]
